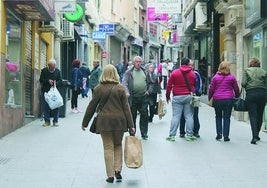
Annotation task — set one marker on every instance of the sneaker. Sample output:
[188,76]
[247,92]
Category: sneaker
[79,111]
[182,135]
[171,138]
[144,137]
[196,135]
[190,138]
[55,124]
[46,124]
[226,139]
[74,111]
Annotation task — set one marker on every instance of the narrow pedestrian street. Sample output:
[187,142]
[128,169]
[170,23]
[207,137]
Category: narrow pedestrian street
[66,157]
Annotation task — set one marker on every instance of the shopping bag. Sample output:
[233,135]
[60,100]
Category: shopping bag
[53,98]
[133,152]
[162,108]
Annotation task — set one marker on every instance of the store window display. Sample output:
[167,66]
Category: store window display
[13,85]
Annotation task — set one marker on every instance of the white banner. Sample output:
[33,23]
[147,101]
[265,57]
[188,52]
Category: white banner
[168,6]
[65,6]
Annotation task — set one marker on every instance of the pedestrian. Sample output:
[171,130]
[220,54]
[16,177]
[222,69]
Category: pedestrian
[95,75]
[177,84]
[223,88]
[86,73]
[50,76]
[136,85]
[254,81]
[198,89]
[76,85]
[120,69]
[159,71]
[153,90]
[113,120]
[165,72]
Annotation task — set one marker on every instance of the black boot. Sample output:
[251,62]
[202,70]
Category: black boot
[110,179]
[118,176]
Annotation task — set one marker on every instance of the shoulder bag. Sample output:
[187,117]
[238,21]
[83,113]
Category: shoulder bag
[195,100]
[99,108]
[240,103]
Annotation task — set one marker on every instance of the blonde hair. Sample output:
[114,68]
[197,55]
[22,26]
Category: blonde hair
[109,75]
[224,68]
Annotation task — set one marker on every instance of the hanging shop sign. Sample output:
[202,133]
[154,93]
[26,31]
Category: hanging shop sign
[65,6]
[152,16]
[98,35]
[33,10]
[76,16]
[107,28]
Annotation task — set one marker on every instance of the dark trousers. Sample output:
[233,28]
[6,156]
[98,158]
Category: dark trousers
[255,99]
[152,106]
[223,111]
[74,98]
[196,122]
[140,104]
[165,79]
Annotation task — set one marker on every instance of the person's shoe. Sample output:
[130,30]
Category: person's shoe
[171,138]
[218,137]
[196,135]
[190,138]
[79,111]
[182,135]
[226,139]
[74,111]
[145,137]
[55,124]
[254,141]
[118,176]
[46,124]
[110,180]
[86,95]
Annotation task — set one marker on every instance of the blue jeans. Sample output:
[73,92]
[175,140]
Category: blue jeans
[181,105]
[223,111]
[196,122]
[140,104]
[47,112]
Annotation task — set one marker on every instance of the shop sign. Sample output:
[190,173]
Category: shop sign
[152,16]
[98,35]
[107,28]
[33,10]
[65,6]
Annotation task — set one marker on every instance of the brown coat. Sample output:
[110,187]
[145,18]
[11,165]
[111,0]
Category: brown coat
[115,115]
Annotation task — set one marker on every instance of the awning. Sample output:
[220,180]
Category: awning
[33,10]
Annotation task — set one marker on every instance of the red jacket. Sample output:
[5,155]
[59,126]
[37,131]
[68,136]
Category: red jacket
[177,83]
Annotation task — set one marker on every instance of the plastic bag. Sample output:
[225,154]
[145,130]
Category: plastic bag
[53,98]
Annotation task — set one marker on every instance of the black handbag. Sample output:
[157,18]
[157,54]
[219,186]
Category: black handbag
[240,104]
[100,106]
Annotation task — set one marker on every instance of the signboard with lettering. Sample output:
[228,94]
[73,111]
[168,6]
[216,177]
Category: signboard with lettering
[152,16]
[107,28]
[98,35]
[65,6]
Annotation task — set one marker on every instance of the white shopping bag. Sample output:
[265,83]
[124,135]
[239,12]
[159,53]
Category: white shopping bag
[53,98]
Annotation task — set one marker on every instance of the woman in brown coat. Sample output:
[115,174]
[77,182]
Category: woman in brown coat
[114,119]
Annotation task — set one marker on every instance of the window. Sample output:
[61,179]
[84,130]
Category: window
[13,86]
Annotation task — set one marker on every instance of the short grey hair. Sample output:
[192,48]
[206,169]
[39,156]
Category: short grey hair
[52,61]
[137,57]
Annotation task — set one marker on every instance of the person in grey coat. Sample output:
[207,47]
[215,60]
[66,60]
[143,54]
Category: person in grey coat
[95,75]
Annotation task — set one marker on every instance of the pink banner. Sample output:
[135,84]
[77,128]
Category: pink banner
[152,16]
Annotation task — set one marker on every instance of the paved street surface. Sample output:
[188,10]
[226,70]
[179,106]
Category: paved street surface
[66,157]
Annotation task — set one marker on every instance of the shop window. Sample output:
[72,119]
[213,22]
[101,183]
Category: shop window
[13,85]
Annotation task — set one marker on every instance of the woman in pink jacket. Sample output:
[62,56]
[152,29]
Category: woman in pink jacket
[223,89]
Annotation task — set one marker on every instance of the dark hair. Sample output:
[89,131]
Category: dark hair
[76,63]
[185,61]
[254,62]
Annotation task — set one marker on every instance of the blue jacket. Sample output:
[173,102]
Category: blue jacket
[76,78]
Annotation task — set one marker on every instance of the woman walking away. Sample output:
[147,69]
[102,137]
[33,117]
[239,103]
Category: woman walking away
[76,85]
[114,119]
[254,81]
[223,89]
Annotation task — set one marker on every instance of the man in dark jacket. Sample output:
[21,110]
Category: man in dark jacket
[86,73]
[136,83]
[50,76]
[95,75]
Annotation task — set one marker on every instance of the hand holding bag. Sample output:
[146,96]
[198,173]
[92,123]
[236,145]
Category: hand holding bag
[240,103]
[133,152]
[211,102]
[53,98]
